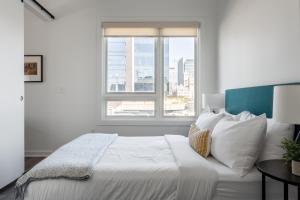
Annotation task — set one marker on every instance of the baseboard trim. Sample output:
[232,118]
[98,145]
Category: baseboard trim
[37,153]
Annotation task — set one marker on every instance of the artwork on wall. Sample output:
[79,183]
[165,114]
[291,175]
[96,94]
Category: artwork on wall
[33,68]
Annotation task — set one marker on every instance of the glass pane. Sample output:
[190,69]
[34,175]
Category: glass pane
[130,64]
[179,76]
[130,108]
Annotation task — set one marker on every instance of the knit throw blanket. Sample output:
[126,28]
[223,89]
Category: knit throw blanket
[75,161]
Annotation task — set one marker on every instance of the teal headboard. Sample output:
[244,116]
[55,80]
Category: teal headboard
[257,100]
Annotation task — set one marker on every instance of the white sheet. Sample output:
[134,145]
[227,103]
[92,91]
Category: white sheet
[197,178]
[133,168]
[233,187]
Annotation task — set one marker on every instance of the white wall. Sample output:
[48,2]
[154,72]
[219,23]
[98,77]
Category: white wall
[11,89]
[65,105]
[258,42]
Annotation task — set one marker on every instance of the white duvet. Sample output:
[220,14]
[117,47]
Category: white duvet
[138,168]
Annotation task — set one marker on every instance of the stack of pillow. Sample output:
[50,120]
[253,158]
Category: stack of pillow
[238,141]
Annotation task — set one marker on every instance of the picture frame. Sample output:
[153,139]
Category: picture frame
[33,68]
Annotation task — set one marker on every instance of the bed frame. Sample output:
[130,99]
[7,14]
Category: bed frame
[257,100]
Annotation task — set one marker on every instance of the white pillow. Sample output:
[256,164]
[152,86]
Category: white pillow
[275,133]
[246,115]
[208,120]
[242,116]
[234,117]
[237,143]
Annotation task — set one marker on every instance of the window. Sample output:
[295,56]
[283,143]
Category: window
[179,76]
[150,70]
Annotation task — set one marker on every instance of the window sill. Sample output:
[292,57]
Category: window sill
[170,122]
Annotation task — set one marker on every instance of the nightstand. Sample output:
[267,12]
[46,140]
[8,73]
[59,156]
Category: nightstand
[278,170]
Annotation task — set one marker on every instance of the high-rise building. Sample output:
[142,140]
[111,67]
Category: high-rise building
[144,64]
[116,61]
[180,72]
[189,73]
[189,66]
[131,64]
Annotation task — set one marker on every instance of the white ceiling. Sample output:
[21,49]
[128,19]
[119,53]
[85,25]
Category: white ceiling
[56,4]
[61,7]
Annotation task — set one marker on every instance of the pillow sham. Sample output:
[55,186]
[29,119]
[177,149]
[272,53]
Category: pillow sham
[237,143]
[246,115]
[200,140]
[208,120]
[275,133]
[236,117]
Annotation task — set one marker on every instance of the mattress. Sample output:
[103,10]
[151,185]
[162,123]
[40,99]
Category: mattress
[231,186]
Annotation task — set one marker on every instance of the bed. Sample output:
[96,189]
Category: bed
[124,164]
[137,168]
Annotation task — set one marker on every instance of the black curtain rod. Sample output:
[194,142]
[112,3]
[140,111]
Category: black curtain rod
[42,8]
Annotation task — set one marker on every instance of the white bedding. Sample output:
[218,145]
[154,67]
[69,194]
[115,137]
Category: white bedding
[135,168]
[145,168]
[231,186]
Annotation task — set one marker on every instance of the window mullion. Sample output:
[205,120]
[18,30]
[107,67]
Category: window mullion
[103,77]
[130,97]
[197,89]
[159,80]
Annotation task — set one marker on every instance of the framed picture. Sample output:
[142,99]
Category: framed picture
[33,68]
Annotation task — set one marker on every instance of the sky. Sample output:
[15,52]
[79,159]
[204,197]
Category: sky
[181,47]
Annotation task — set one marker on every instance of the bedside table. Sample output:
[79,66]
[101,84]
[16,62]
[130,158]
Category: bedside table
[280,171]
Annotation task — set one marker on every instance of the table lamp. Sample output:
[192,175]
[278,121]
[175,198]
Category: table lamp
[213,102]
[286,109]
[286,105]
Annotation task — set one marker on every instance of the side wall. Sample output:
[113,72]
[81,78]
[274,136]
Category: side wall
[258,42]
[65,105]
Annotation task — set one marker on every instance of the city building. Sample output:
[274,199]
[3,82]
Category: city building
[180,72]
[130,64]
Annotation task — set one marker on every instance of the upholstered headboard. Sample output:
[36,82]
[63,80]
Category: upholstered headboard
[257,100]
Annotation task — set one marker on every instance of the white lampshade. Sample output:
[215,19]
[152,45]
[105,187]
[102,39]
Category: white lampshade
[286,104]
[213,101]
